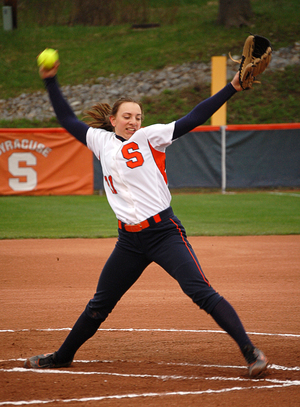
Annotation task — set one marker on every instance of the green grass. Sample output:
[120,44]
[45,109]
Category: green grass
[238,213]
[282,89]
[202,214]
[188,32]
[56,217]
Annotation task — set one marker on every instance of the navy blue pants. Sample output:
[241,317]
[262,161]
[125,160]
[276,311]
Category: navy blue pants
[164,243]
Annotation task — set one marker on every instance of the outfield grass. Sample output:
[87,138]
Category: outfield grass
[190,34]
[239,213]
[216,214]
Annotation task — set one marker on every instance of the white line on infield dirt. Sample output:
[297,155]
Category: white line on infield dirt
[271,366]
[277,384]
[163,377]
[173,330]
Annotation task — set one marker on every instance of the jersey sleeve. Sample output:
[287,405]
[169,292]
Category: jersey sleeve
[160,136]
[94,140]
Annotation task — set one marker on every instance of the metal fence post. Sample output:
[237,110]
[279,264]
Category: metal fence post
[7,18]
[223,158]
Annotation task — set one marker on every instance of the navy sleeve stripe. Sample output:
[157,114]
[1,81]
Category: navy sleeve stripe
[64,113]
[203,111]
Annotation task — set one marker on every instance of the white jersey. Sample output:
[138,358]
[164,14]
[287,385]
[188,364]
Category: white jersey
[134,174]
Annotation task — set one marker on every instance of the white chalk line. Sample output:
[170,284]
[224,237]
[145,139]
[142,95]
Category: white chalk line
[285,194]
[148,330]
[270,366]
[144,375]
[274,384]
[78,373]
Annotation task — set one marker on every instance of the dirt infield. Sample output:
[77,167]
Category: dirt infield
[156,348]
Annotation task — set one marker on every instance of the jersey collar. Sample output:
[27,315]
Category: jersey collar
[120,138]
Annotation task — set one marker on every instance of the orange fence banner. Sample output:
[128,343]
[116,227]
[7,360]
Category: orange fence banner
[245,127]
[44,162]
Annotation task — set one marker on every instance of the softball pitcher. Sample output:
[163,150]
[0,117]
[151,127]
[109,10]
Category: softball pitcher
[133,164]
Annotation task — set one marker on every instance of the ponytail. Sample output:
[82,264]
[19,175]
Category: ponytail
[98,116]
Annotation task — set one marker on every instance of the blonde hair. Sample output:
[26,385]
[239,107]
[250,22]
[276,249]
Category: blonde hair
[98,116]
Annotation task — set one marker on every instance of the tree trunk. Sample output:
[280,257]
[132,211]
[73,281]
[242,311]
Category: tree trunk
[234,13]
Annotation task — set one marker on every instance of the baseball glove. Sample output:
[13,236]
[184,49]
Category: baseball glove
[255,59]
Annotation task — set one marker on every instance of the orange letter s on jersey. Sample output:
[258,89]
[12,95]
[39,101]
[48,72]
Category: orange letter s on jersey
[134,157]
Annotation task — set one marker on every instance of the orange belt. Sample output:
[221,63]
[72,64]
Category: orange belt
[139,226]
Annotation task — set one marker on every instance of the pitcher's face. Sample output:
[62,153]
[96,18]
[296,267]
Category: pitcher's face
[127,120]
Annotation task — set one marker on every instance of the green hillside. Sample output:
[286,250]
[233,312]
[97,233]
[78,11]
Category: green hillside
[188,32]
